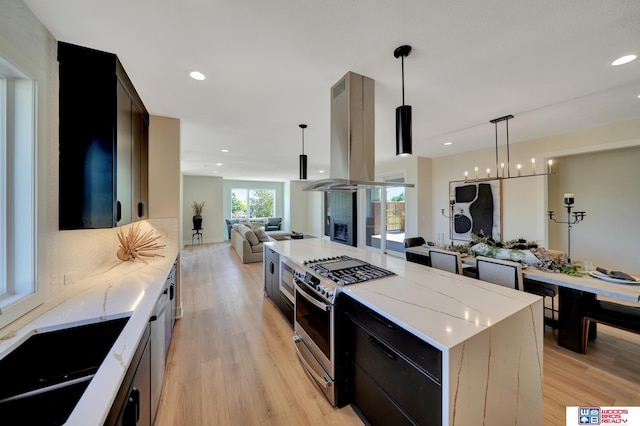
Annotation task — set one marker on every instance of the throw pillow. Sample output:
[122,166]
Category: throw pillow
[250,236]
[260,233]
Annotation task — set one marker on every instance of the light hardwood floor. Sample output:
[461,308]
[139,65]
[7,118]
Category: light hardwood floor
[232,362]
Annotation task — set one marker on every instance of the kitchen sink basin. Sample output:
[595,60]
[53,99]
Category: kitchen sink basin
[45,376]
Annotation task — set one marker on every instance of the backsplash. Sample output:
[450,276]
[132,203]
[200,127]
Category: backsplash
[87,252]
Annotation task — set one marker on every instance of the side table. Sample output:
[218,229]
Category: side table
[197,235]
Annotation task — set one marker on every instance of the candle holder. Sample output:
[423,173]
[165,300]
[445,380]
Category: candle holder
[452,215]
[577,218]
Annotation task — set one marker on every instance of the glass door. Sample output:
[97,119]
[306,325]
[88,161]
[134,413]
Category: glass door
[394,217]
[385,217]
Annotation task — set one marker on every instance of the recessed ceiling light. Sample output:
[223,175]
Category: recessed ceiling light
[321,171]
[623,60]
[197,75]
[218,164]
[448,143]
[224,150]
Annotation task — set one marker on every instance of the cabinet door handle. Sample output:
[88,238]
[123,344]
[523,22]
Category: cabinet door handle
[171,292]
[132,410]
[381,320]
[271,267]
[118,211]
[383,348]
[140,209]
[136,396]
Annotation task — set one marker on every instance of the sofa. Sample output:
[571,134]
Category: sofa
[230,222]
[273,224]
[247,240]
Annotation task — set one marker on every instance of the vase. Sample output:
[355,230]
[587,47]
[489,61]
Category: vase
[197,222]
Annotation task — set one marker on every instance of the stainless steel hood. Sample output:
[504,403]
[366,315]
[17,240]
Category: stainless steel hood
[352,137]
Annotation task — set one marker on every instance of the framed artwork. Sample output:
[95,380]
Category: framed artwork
[478,207]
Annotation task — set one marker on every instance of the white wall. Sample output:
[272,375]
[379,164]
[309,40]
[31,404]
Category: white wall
[209,190]
[605,185]
[299,212]
[164,167]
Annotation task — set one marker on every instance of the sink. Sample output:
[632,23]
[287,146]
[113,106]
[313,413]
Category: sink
[45,376]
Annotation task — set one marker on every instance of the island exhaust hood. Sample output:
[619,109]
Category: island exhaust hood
[352,137]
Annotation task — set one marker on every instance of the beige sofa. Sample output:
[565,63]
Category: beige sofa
[248,241]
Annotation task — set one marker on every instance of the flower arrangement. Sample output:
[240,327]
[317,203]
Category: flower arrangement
[521,251]
[197,208]
[493,246]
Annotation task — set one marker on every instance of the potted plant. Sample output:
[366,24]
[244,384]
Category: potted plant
[197,214]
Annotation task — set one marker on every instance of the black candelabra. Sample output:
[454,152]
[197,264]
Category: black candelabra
[577,218]
[452,214]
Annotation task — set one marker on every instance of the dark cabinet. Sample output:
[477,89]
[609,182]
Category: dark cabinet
[392,376]
[103,139]
[272,275]
[132,404]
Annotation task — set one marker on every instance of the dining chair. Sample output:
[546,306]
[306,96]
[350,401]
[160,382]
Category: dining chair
[503,272]
[445,260]
[414,242]
[412,257]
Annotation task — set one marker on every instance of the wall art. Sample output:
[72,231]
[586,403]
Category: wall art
[477,208]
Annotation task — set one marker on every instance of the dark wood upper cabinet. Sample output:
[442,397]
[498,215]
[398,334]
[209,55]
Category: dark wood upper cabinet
[104,128]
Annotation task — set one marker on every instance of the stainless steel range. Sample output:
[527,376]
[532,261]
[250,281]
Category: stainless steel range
[315,294]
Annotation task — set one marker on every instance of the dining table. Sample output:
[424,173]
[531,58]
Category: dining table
[575,295]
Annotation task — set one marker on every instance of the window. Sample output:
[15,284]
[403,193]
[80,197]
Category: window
[18,288]
[252,203]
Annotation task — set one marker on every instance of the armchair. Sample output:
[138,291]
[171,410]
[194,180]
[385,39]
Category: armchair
[273,224]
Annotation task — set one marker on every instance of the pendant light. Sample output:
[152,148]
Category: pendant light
[403,113]
[303,157]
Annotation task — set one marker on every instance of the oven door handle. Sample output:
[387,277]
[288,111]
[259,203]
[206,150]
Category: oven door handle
[323,380]
[310,299]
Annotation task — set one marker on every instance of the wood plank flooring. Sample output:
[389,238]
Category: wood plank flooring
[232,361]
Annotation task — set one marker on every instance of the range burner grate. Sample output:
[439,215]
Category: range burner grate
[346,270]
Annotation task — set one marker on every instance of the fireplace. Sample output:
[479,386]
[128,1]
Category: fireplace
[341,225]
[341,232]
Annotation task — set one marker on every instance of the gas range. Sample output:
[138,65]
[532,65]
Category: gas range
[330,273]
[345,270]
[316,287]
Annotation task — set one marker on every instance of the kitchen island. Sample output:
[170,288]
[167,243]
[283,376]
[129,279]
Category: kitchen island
[489,337]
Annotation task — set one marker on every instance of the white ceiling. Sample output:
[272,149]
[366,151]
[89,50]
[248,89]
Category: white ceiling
[270,66]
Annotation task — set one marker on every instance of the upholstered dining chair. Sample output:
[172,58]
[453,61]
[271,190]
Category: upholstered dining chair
[412,257]
[497,271]
[449,261]
[414,242]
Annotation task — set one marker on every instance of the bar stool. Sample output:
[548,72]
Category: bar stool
[197,235]
[548,292]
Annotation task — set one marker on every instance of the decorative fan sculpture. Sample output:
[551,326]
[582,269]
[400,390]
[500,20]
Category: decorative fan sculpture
[136,245]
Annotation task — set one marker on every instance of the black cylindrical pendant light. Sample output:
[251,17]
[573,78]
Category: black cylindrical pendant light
[303,157]
[403,113]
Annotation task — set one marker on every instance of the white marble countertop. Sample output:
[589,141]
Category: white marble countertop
[443,309]
[122,287]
